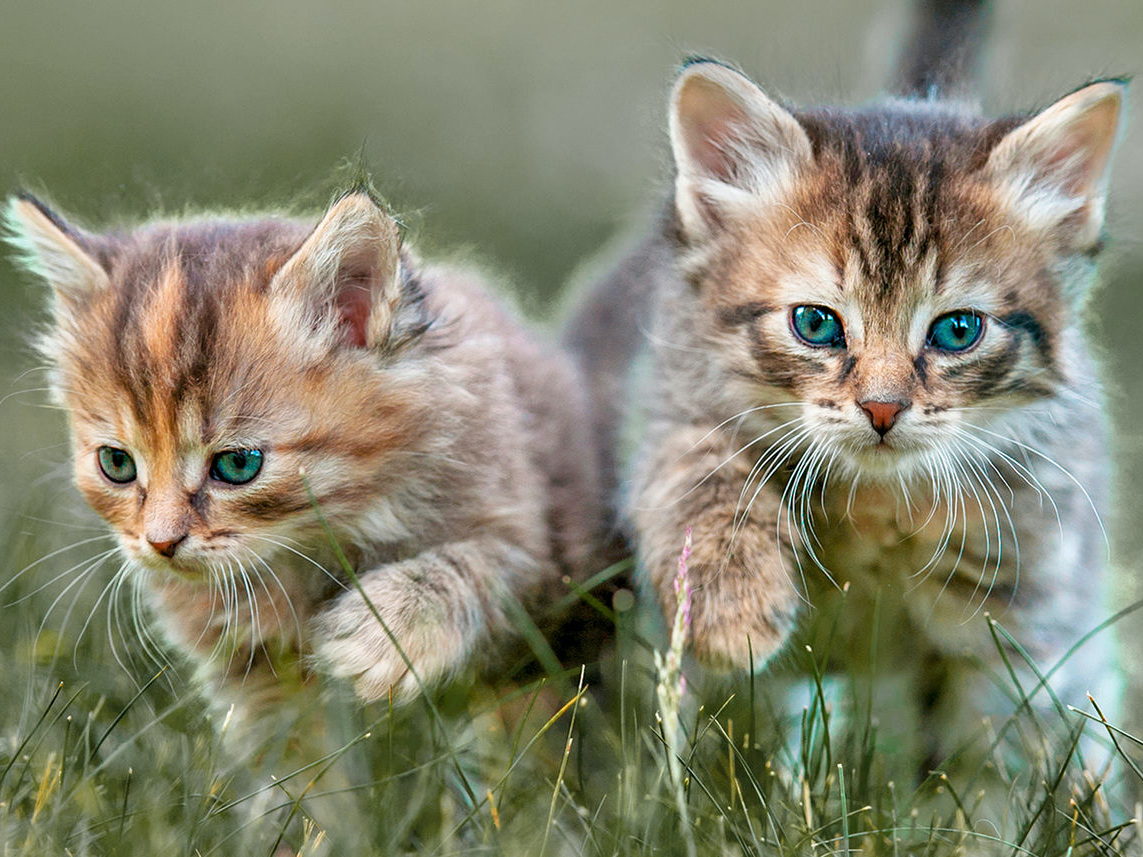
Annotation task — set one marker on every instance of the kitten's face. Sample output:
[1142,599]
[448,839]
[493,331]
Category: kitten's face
[890,332]
[901,273]
[202,382]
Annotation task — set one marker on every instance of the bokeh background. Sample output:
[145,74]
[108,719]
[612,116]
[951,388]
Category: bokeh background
[528,135]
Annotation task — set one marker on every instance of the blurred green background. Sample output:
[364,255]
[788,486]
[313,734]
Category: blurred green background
[529,134]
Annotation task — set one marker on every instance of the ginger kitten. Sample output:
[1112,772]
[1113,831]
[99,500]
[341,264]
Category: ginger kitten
[864,365]
[216,371]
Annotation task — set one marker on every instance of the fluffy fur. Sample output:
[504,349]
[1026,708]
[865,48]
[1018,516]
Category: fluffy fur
[942,483]
[442,443]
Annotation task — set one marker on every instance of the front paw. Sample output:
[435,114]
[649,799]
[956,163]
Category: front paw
[349,641]
[732,631]
[743,603]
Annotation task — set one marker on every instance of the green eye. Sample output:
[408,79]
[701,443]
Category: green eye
[236,466]
[116,464]
[956,331]
[816,325]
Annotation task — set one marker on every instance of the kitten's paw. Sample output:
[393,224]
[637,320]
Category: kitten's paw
[742,611]
[349,641]
[726,637]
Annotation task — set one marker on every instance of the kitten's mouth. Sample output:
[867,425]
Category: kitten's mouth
[182,568]
[885,459]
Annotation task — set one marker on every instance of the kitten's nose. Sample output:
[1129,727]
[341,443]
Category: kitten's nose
[166,548]
[882,414]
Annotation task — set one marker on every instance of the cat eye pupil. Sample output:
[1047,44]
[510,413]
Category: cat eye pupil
[236,466]
[818,326]
[116,464]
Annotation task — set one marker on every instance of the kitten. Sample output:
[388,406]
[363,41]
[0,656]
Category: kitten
[225,376]
[863,364]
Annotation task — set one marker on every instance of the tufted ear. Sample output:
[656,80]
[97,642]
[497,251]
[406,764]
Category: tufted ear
[731,144]
[1054,169]
[348,270]
[49,247]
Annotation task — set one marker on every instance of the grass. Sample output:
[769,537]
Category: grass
[101,758]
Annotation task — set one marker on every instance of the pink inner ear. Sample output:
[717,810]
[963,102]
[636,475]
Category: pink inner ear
[715,123]
[1083,155]
[711,121]
[717,156]
[354,303]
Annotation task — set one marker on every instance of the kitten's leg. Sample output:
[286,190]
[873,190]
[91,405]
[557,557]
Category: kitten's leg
[741,565]
[440,606]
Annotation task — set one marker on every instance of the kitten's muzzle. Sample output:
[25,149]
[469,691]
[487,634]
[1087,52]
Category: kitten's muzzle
[883,415]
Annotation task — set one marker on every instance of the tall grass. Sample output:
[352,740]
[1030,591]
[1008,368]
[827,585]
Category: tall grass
[104,752]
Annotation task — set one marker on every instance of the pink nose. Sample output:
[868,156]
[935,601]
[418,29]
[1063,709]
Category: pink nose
[166,548]
[882,414]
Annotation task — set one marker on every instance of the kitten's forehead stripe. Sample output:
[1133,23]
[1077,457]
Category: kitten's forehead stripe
[894,165]
[182,298]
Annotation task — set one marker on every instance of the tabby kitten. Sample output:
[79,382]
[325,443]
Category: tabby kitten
[224,376]
[865,366]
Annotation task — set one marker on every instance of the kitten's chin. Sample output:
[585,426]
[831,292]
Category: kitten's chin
[160,569]
[883,463]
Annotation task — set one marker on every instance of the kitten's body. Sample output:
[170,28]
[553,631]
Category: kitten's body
[441,442]
[957,482]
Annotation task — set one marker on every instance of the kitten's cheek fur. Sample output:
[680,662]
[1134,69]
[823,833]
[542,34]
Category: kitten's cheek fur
[350,643]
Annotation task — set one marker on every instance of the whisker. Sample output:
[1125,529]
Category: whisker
[1023,471]
[152,648]
[81,580]
[726,460]
[85,562]
[987,483]
[278,581]
[987,529]
[301,555]
[255,619]
[91,614]
[54,553]
[769,464]
[741,415]
[25,392]
[69,524]
[798,534]
[114,587]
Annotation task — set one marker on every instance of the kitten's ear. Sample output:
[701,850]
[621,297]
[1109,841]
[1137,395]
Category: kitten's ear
[51,248]
[731,144]
[350,267]
[1055,167]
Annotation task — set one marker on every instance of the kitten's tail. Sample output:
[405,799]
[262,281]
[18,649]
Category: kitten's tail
[942,54]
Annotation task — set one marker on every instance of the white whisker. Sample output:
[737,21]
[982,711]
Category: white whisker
[341,584]
[1061,469]
[54,553]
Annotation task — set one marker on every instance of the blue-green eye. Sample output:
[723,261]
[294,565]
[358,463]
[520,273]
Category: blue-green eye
[956,331]
[236,466]
[816,325]
[116,464]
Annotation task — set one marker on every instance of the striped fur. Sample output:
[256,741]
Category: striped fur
[985,494]
[441,441]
